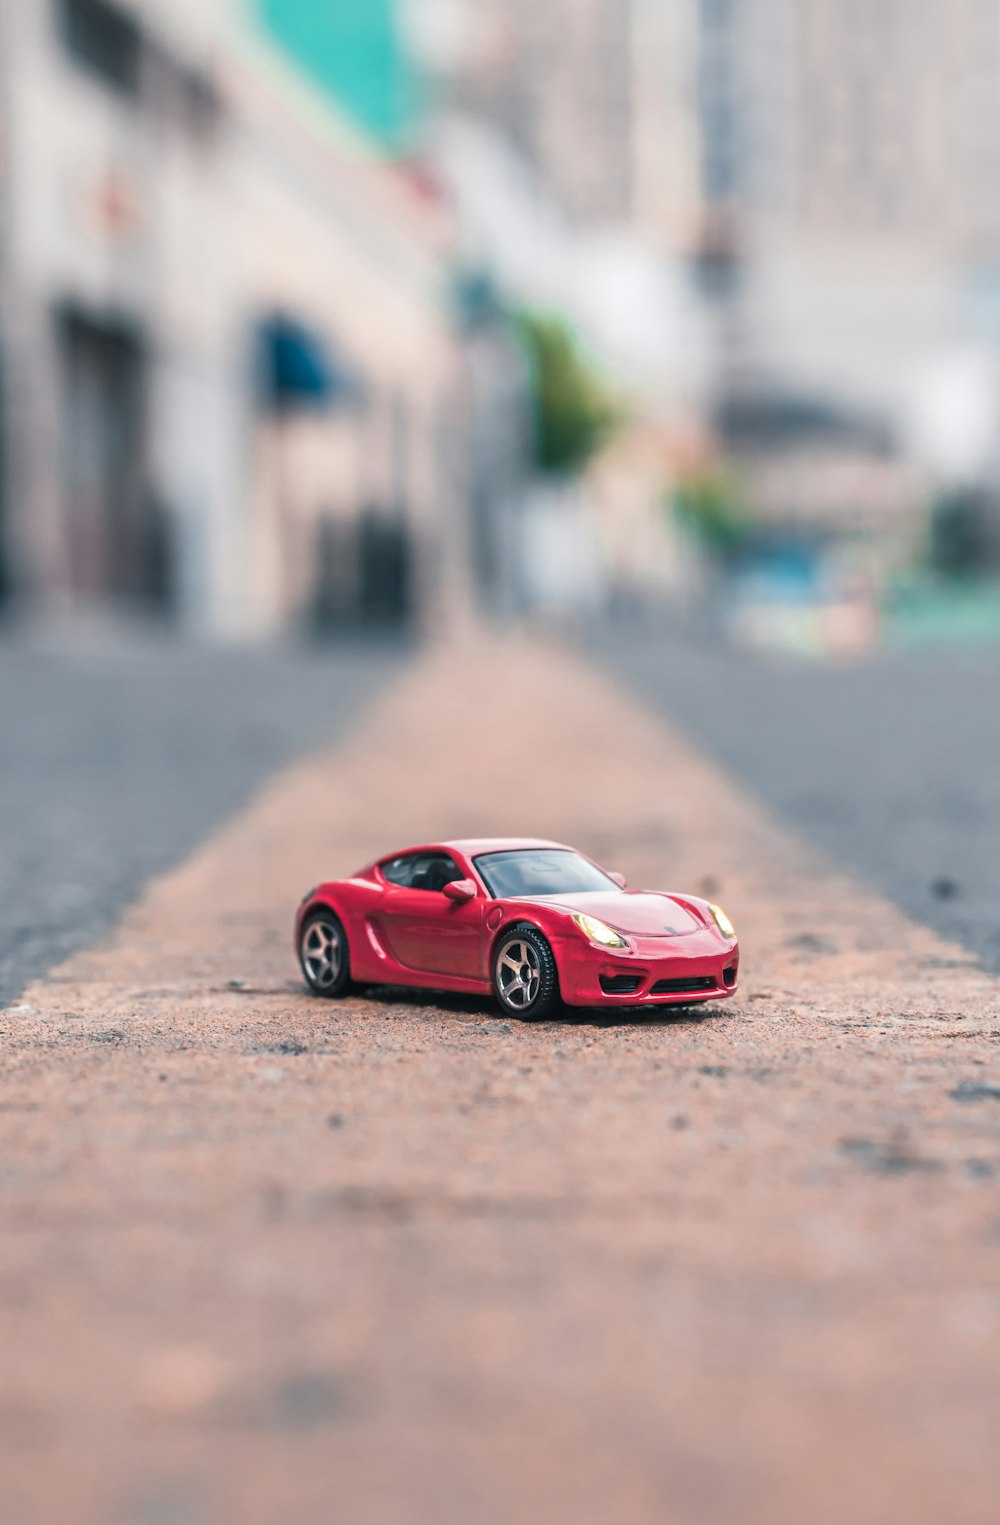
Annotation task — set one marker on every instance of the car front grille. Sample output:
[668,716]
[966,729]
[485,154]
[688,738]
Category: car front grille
[683,987]
[620,984]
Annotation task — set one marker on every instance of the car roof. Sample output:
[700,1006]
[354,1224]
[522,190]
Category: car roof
[472,847]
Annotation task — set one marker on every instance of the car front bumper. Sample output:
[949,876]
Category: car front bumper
[682,976]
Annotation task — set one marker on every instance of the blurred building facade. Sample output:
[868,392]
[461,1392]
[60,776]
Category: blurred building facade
[827,167]
[233,391]
[557,79]
[599,96]
[567,136]
[849,155]
[235,382]
[850,249]
[815,180]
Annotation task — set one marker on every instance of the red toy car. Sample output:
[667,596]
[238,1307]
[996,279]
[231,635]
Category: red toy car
[534,921]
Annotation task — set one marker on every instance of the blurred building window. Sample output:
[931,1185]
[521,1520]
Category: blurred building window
[201,103]
[184,95]
[716,14]
[105,40]
[718,107]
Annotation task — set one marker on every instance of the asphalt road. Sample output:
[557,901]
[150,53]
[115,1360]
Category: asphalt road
[118,757]
[892,768]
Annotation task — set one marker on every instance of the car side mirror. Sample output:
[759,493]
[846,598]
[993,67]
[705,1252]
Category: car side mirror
[620,880]
[460,890]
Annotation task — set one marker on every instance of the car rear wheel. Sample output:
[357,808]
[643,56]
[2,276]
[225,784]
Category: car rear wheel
[525,979]
[324,955]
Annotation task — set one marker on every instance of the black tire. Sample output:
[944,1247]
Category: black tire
[525,978]
[324,955]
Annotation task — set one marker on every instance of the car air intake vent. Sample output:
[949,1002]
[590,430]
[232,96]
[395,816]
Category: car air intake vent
[682,987]
[620,984]
[729,976]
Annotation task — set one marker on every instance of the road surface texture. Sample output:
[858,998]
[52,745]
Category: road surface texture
[891,767]
[399,1260]
[116,759]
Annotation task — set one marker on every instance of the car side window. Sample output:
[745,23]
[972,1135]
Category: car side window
[421,871]
[399,871]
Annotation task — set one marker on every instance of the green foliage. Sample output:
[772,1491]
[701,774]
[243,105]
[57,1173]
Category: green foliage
[707,503]
[574,413]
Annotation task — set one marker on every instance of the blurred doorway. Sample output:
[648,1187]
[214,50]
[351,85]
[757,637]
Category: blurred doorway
[364,575]
[116,549]
[385,562]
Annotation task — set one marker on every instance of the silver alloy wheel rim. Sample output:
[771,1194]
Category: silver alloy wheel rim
[322,954]
[519,975]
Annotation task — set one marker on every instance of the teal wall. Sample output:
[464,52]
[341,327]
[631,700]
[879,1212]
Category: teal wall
[353,50]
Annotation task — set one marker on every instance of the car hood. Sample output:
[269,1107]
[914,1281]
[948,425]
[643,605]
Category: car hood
[642,913]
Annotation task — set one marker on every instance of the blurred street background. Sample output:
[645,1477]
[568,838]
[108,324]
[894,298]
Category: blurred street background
[671,326]
[328,313]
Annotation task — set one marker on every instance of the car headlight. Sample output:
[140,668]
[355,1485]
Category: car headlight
[722,921]
[599,931]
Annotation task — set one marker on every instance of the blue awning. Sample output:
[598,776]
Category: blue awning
[300,371]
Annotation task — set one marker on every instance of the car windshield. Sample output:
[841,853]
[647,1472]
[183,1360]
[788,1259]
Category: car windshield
[540,871]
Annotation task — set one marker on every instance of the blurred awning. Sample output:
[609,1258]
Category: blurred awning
[299,369]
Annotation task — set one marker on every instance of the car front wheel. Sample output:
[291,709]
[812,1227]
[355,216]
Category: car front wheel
[525,979]
[324,955]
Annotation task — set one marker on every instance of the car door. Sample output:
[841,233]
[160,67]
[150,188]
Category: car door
[424,930]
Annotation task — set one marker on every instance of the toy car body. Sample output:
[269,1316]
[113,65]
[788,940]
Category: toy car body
[533,921]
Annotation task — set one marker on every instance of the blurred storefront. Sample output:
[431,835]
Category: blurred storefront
[235,392]
[360,424]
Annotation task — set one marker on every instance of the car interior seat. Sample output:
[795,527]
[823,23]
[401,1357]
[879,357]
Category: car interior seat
[439,873]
